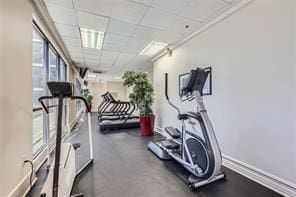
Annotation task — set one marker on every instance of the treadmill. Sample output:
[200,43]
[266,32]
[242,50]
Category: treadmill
[120,115]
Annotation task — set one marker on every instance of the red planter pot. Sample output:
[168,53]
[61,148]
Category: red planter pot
[147,125]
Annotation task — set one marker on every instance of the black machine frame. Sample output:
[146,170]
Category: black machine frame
[61,91]
[191,97]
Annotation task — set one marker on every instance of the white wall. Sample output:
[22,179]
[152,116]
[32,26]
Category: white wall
[96,90]
[99,88]
[253,106]
[16,95]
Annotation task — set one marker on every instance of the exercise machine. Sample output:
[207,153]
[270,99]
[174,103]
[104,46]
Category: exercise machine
[62,174]
[197,152]
[114,114]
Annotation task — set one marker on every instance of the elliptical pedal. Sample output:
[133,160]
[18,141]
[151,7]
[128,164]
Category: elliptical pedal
[170,144]
[173,132]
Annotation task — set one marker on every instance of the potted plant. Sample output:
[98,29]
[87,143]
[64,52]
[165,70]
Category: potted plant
[143,97]
[85,93]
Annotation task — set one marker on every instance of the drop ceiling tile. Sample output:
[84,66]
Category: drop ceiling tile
[91,21]
[91,62]
[145,66]
[93,66]
[80,64]
[144,32]
[159,19]
[232,1]
[67,30]
[116,39]
[91,51]
[124,58]
[144,2]
[179,26]
[108,57]
[112,47]
[74,49]
[61,14]
[135,45]
[105,66]
[69,41]
[121,27]
[64,3]
[203,9]
[101,7]
[127,11]
[167,37]
[95,58]
[172,6]
[77,57]
[137,62]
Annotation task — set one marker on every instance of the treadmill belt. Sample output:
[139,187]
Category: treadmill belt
[119,124]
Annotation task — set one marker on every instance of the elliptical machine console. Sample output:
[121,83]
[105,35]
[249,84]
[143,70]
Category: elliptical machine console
[199,154]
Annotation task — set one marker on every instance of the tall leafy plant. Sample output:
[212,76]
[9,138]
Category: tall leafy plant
[85,93]
[142,95]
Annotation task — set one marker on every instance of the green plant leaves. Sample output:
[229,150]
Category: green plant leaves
[85,93]
[143,93]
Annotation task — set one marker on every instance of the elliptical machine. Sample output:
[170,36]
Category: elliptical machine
[201,156]
[61,177]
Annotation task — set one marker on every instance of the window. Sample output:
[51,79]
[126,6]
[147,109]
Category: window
[63,76]
[63,68]
[53,76]
[47,66]
[39,79]
[77,92]
[53,66]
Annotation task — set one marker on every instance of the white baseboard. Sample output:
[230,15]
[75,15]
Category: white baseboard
[23,187]
[266,179]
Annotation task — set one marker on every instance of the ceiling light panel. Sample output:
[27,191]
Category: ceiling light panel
[92,39]
[153,48]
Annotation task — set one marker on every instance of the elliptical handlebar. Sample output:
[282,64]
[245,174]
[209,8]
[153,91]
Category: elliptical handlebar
[167,96]
[166,86]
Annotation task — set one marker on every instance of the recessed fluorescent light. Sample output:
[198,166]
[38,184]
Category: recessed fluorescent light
[92,39]
[153,48]
[117,78]
[91,75]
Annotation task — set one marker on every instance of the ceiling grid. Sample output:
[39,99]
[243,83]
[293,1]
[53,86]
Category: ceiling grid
[128,26]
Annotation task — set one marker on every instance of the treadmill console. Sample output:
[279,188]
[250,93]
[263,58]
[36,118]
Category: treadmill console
[58,88]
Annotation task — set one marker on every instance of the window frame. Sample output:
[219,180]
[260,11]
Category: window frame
[47,47]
